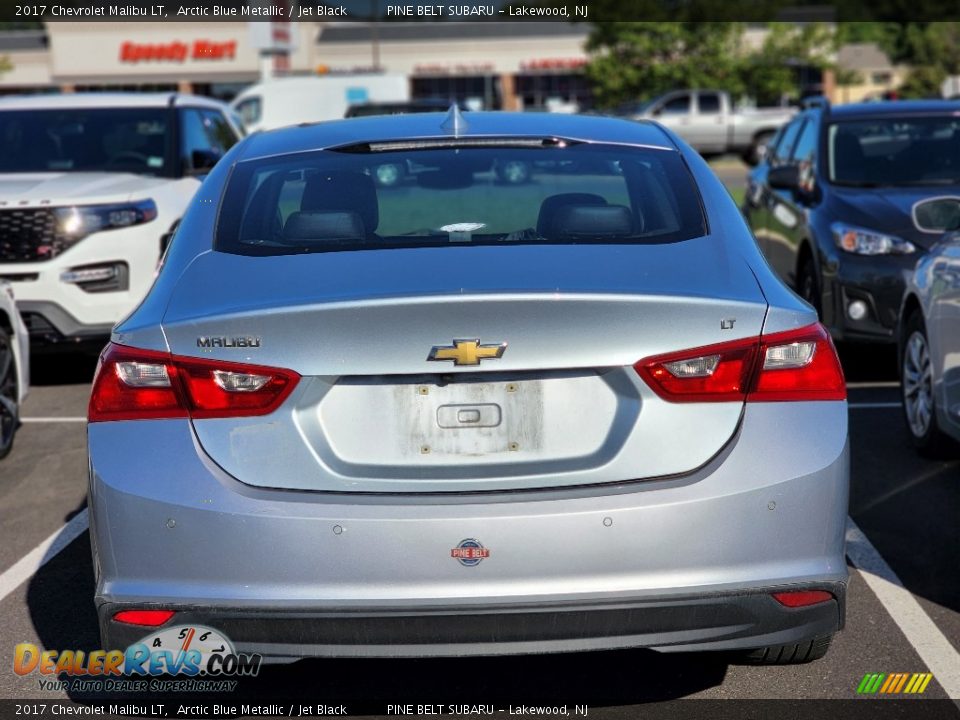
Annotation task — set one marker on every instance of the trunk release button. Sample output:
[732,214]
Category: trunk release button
[466,416]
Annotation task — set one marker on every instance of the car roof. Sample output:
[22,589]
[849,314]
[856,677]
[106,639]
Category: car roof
[894,108]
[103,100]
[590,128]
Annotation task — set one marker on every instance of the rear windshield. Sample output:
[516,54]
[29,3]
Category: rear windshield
[330,201]
[895,152]
[135,140]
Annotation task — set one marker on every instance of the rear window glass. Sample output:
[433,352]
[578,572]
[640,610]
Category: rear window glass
[329,200]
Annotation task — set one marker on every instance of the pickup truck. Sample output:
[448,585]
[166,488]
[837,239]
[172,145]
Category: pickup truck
[710,123]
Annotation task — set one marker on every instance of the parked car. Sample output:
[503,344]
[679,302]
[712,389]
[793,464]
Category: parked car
[14,367]
[833,206]
[469,417]
[929,333]
[294,100]
[708,120]
[91,186]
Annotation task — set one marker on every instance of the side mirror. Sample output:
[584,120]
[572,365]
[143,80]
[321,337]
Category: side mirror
[784,177]
[937,215]
[202,161]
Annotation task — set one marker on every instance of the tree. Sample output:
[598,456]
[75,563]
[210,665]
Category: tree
[770,74]
[632,60]
[934,51]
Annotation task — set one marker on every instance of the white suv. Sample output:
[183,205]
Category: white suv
[91,186]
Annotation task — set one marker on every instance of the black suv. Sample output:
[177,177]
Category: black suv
[844,203]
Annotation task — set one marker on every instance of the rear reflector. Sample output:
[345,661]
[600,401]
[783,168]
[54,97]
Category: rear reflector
[802,598]
[134,384]
[794,365]
[148,618]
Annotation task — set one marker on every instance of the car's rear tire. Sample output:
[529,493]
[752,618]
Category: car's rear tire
[514,172]
[9,394]
[916,385]
[808,285]
[791,654]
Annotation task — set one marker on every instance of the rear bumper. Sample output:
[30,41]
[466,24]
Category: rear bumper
[676,563]
[726,621]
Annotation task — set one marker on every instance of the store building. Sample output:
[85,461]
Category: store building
[501,65]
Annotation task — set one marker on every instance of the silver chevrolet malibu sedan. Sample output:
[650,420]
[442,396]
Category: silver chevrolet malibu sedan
[464,415]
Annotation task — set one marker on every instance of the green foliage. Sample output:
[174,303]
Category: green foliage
[640,60]
[768,74]
[5,65]
[924,81]
[633,61]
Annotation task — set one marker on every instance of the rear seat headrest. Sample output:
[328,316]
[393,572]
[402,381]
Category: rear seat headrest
[547,218]
[324,226]
[584,221]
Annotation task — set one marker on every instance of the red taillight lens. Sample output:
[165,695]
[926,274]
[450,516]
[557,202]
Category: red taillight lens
[802,598]
[148,618]
[715,373]
[795,365]
[134,384]
[798,365]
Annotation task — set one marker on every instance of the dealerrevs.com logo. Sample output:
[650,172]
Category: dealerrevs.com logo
[202,657]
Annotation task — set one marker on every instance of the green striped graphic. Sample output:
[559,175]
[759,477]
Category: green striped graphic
[893,684]
[870,683]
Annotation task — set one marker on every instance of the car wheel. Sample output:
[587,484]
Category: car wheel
[513,172]
[754,153]
[9,408]
[791,654]
[916,383]
[808,285]
[388,174]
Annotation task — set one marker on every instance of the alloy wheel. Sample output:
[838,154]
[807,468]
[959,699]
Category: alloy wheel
[918,384]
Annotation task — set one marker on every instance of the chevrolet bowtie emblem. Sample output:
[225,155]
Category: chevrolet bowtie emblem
[466,352]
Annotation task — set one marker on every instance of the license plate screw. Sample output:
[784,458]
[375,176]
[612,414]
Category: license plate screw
[514,446]
[424,449]
[511,387]
[423,390]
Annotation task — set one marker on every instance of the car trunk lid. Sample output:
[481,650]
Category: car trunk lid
[560,406]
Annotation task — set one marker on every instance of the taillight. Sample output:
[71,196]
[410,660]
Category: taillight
[794,365]
[798,365]
[134,384]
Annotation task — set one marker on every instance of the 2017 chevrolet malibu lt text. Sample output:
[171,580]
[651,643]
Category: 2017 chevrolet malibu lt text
[463,416]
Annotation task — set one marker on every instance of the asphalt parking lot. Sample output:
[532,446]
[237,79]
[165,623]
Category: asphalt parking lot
[903,613]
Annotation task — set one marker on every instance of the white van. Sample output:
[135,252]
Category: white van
[289,101]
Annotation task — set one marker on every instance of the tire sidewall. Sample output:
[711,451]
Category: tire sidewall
[6,338]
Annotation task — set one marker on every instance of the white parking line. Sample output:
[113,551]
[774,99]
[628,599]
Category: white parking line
[27,566]
[873,406]
[931,645]
[52,419]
